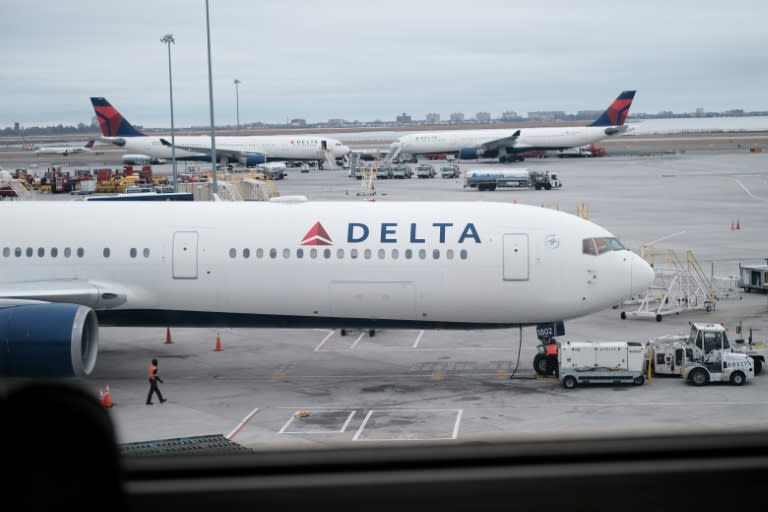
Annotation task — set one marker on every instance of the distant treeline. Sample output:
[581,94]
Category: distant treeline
[50,130]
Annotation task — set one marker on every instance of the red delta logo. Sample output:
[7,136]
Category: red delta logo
[317,235]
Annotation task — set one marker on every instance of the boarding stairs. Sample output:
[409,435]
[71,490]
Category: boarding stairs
[677,288]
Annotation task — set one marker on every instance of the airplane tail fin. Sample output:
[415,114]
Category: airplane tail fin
[112,123]
[617,112]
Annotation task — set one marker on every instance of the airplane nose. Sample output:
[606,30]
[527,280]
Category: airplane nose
[642,275]
[340,151]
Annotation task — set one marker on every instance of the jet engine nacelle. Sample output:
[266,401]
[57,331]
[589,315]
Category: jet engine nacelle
[254,159]
[48,340]
[469,153]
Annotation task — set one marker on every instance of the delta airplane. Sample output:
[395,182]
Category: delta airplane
[63,149]
[505,143]
[247,150]
[324,264]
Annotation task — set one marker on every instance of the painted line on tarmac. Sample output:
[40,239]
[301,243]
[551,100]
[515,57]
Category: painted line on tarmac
[242,424]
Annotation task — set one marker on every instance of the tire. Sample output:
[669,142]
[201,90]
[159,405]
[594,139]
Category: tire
[569,382]
[541,365]
[371,332]
[659,318]
[623,315]
[738,379]
[698,377]
[343,332]
[758,366]
[639,380]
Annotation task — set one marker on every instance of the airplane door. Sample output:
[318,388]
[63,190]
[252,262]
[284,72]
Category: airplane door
[515,257]
[324,144]
[185,255]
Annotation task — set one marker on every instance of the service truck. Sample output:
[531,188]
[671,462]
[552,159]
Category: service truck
[672,353]
[603,362]
[753,277]
[492,178]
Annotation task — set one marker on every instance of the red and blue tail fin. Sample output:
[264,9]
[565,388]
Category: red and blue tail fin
[112,123]
[616,114]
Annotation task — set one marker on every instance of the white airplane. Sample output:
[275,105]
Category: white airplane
[63,149]
[324,264]
[247,150]
[505,143]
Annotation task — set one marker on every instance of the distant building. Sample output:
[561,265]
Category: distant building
[546,115]
[457,117]
[588,114]
[433,118]
[483,117]
[699,112]
[336,122]
[403,118]
[509,115]
[298,122]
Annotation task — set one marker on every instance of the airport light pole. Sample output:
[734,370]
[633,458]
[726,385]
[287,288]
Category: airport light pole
[210,101]
[237,104]
[168,40]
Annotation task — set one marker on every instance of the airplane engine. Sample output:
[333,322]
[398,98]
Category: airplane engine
[469,153]
[48,340]
[253,159]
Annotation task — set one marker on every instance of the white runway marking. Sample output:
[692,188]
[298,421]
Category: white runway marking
[750,194]
[242,424]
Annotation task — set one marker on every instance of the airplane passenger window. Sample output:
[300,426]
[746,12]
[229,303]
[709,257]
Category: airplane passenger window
[30,252]
[17,252]
[395,254]
[232,253]
[353,254]
[313,253]
[246,253]
[326,253]
[340,254]
[382,254]
[449,254]
[273,253]
[422,254]
[54,252]
[80,252]
[299,253]
[408,254]
[463,254]
[436,254]
[67,252]
[40,252]
[588,247]
[133,252]
[260,253]
[367,254]
[6,252]
[286,253]
[106,252]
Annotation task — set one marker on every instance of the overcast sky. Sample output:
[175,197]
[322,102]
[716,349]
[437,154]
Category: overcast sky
[367,60]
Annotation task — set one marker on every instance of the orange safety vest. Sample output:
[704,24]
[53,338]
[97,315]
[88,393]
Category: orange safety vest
[152,370]
[550,349]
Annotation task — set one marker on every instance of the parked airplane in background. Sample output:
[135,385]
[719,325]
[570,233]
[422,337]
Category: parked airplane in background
[389,265]
[62,149]
[504,144]
[247,150]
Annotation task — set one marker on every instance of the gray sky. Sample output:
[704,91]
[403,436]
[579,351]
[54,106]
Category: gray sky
[361,60]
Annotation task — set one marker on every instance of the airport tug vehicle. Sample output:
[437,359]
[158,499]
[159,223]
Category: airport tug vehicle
[713,359]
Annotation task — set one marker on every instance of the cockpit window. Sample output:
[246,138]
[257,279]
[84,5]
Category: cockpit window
[595,246]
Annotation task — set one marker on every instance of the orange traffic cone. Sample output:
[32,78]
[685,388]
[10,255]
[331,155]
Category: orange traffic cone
[738,225]
[106,398]
[168,335]
[218,342]
[733,226]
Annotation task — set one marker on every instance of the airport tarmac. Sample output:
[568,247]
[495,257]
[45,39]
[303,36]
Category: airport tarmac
[283,388]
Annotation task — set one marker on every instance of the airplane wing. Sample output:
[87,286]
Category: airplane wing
[230,154]
[67,291]
[505,142]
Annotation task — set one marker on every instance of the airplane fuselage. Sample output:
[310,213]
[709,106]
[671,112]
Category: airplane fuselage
[451,141]
[318,264]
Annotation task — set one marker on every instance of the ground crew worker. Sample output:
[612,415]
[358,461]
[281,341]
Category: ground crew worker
[550,351]
[153,380]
